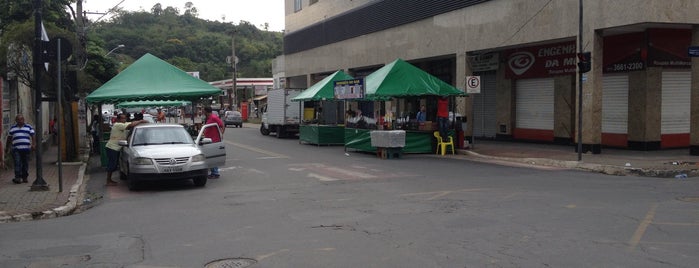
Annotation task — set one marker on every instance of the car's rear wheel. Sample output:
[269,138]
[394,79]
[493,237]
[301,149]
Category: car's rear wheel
[199,181]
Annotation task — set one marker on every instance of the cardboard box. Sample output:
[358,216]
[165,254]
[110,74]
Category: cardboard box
[427,126]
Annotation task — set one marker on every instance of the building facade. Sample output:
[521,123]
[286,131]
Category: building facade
[642,91]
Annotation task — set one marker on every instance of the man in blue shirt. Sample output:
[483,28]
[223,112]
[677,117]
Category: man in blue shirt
[422,115]
[21,138]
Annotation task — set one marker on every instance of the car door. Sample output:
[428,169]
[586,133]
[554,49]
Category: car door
[215,152]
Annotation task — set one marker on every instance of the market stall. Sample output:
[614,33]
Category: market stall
[318,130]
[396,88]
[150,79]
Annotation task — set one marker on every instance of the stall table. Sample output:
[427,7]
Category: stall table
[322,134]
[416,141]
[388,143]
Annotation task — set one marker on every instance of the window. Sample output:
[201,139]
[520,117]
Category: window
[297,5]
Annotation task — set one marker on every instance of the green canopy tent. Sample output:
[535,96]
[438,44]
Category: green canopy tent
[402,79]
[324,90]
[150,78]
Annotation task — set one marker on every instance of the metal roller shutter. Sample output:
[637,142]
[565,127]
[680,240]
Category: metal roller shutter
[615,104]
[484,113]
[676,96]
[534,104]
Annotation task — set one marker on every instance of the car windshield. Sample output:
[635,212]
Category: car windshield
[160,135]
[233,114]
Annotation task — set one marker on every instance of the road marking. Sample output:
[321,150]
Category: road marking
[437,194]
[641,230]
[677,223]
[262,257]
[321,177]
[255,149]
[332,173]
[351,173]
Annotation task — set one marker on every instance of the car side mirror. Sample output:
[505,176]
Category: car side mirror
[123,143]
[206,141]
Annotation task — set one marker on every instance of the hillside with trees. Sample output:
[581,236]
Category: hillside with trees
[190,43]
[180,38]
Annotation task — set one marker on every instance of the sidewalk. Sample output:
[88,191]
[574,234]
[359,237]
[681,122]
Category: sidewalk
[17,203]
[660,163]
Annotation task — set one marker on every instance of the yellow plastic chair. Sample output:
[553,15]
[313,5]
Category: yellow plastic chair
[442,144]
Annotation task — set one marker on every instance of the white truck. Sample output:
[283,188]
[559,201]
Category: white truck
[281,115]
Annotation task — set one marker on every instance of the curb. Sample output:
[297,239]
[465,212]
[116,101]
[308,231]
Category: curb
[64,210]
[599,168]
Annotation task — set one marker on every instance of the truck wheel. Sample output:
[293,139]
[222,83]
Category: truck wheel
[263,130]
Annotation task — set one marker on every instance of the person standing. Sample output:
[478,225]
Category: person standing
[443,116]
[113,148]
[161,116]
[214,134]
[95,130]
[53,132]
[21,138]
[422,114]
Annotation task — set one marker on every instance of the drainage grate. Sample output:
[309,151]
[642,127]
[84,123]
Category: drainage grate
[694,199]
[231,263]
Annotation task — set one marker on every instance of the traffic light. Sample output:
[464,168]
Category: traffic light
[584,62]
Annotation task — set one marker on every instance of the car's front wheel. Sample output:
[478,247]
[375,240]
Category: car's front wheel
[199,181]
[132,184]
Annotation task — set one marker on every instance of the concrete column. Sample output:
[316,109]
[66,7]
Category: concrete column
[464,105]
[592,98]
[504,104]
[694,103]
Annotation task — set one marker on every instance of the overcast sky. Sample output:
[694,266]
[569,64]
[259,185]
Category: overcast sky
[256,12]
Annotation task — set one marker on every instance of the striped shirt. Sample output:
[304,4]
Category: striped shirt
[21,136]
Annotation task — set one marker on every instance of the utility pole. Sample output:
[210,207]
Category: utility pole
[580,80]
[39,184]
[234,63]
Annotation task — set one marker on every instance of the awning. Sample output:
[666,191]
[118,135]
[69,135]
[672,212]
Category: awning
[260,97]
[402,79]
[150,78]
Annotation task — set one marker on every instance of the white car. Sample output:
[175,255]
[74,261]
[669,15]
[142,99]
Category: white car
[154,152]
[149,118]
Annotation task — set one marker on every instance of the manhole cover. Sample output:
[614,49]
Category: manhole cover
[231,263]
[694,199]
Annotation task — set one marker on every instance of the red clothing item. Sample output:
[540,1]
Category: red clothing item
[213,133]
[443,107]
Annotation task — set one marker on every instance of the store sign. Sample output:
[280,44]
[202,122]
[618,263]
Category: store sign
[624,53]
[473,84]
[485,62]
[693,52]
[541,61]
[349,89]
[668,48]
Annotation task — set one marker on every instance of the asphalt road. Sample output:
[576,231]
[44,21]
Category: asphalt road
[283,204]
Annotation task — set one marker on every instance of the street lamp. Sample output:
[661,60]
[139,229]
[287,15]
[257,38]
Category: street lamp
[110,52]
